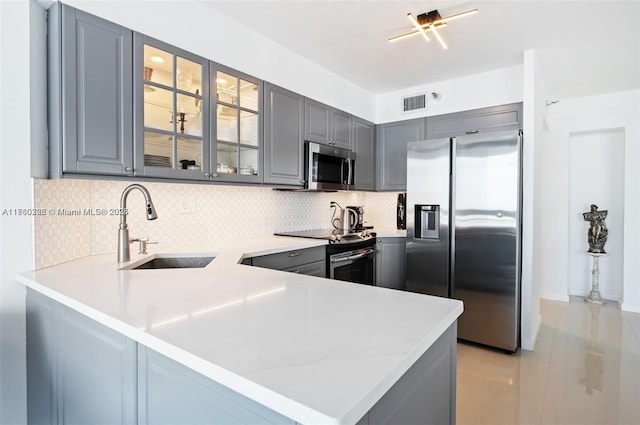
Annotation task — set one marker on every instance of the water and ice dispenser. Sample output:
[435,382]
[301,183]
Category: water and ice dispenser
[427,221]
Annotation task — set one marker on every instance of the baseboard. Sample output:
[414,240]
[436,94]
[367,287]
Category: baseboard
[554,296]
[632,308]
[608,297]
[529,345]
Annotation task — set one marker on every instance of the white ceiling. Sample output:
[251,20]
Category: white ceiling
[583,47]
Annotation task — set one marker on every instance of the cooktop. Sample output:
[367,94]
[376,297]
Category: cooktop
[333,235]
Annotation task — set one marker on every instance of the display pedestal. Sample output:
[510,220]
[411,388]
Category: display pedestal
[594,296]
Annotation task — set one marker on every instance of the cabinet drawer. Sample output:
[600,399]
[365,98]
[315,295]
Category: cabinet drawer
[319,269]
[288,259]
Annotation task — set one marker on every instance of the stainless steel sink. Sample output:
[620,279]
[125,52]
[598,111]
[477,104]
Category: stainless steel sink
[167,262]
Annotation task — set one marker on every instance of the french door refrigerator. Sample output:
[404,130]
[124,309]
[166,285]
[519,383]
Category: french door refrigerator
[464,230]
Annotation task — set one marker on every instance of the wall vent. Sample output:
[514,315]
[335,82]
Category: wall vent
[414,103]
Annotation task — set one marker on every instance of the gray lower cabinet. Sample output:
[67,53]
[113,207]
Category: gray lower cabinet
[390,262]
[391,156]
[170,393]
[364,133]
[81,372]
[283,136]
[90,102]
[308,261]
[78,371]
[426,393]
[496,118]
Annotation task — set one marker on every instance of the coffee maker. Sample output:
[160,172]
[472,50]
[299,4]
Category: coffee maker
[358,222]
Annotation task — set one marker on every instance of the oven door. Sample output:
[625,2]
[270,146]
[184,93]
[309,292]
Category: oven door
[357,266]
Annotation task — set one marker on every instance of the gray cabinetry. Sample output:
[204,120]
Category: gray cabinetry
[391,156]
[364,147]
[81,372]
[317,122]
[283,136]
[496,118]
[170,393]
[78,371]
[90,104]
[327,125]
[390,262]
[342,128]
[236,126]
[171,109]
[426,393]
[309,261]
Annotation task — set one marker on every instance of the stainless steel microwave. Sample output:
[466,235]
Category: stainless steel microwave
[328,168]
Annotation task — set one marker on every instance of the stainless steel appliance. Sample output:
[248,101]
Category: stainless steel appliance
[328,168]
[358,224]
[353,262]
[464,230]
[353,219]
[351,256]
[349,219]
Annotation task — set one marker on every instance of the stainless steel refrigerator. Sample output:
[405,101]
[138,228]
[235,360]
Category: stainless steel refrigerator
[464,230]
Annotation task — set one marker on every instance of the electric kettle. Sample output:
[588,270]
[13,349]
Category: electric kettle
[349,219]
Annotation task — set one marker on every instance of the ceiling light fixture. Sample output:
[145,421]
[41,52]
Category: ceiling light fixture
[431,21]
[157,59]
[417,26]
[437,34]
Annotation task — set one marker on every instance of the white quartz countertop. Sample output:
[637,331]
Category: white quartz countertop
[315,350]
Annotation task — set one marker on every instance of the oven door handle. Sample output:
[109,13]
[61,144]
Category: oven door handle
[354,257]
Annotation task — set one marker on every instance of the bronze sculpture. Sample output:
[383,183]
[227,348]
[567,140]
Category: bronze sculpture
[597,234]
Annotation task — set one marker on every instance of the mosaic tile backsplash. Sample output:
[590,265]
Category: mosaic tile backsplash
[85,223]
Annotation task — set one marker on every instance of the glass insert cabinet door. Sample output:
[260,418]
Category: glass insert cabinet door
[171,103]
[237,125]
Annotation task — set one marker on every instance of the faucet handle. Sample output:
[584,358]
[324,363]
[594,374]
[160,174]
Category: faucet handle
[142,248]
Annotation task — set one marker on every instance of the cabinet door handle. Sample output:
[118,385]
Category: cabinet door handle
[128,169]
[294,254]
[471,132]
[207,175]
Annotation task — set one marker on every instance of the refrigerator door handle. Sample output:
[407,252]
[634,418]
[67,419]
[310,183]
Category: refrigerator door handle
[452,217]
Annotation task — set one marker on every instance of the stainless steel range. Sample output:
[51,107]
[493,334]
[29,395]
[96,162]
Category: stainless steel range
[351,256]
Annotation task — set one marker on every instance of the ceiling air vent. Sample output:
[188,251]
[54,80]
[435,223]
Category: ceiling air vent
[414,103]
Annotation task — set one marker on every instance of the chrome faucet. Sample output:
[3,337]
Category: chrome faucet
[123,231]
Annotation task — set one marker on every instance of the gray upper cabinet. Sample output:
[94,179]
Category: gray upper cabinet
[327,125]
[236,126]
[391,157]
[90,105]
[171,101]
[364,146]
[503,117]
[283,136]
[342,126]
[317,122]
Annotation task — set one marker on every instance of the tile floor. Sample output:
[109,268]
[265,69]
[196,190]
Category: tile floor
[585,369]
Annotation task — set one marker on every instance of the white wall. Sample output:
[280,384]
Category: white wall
[201,30]
[492,88]
[535,137]
[596,176]
[16,235]
[571,116]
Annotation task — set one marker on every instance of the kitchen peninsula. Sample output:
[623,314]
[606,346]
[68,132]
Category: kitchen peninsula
[234,344]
